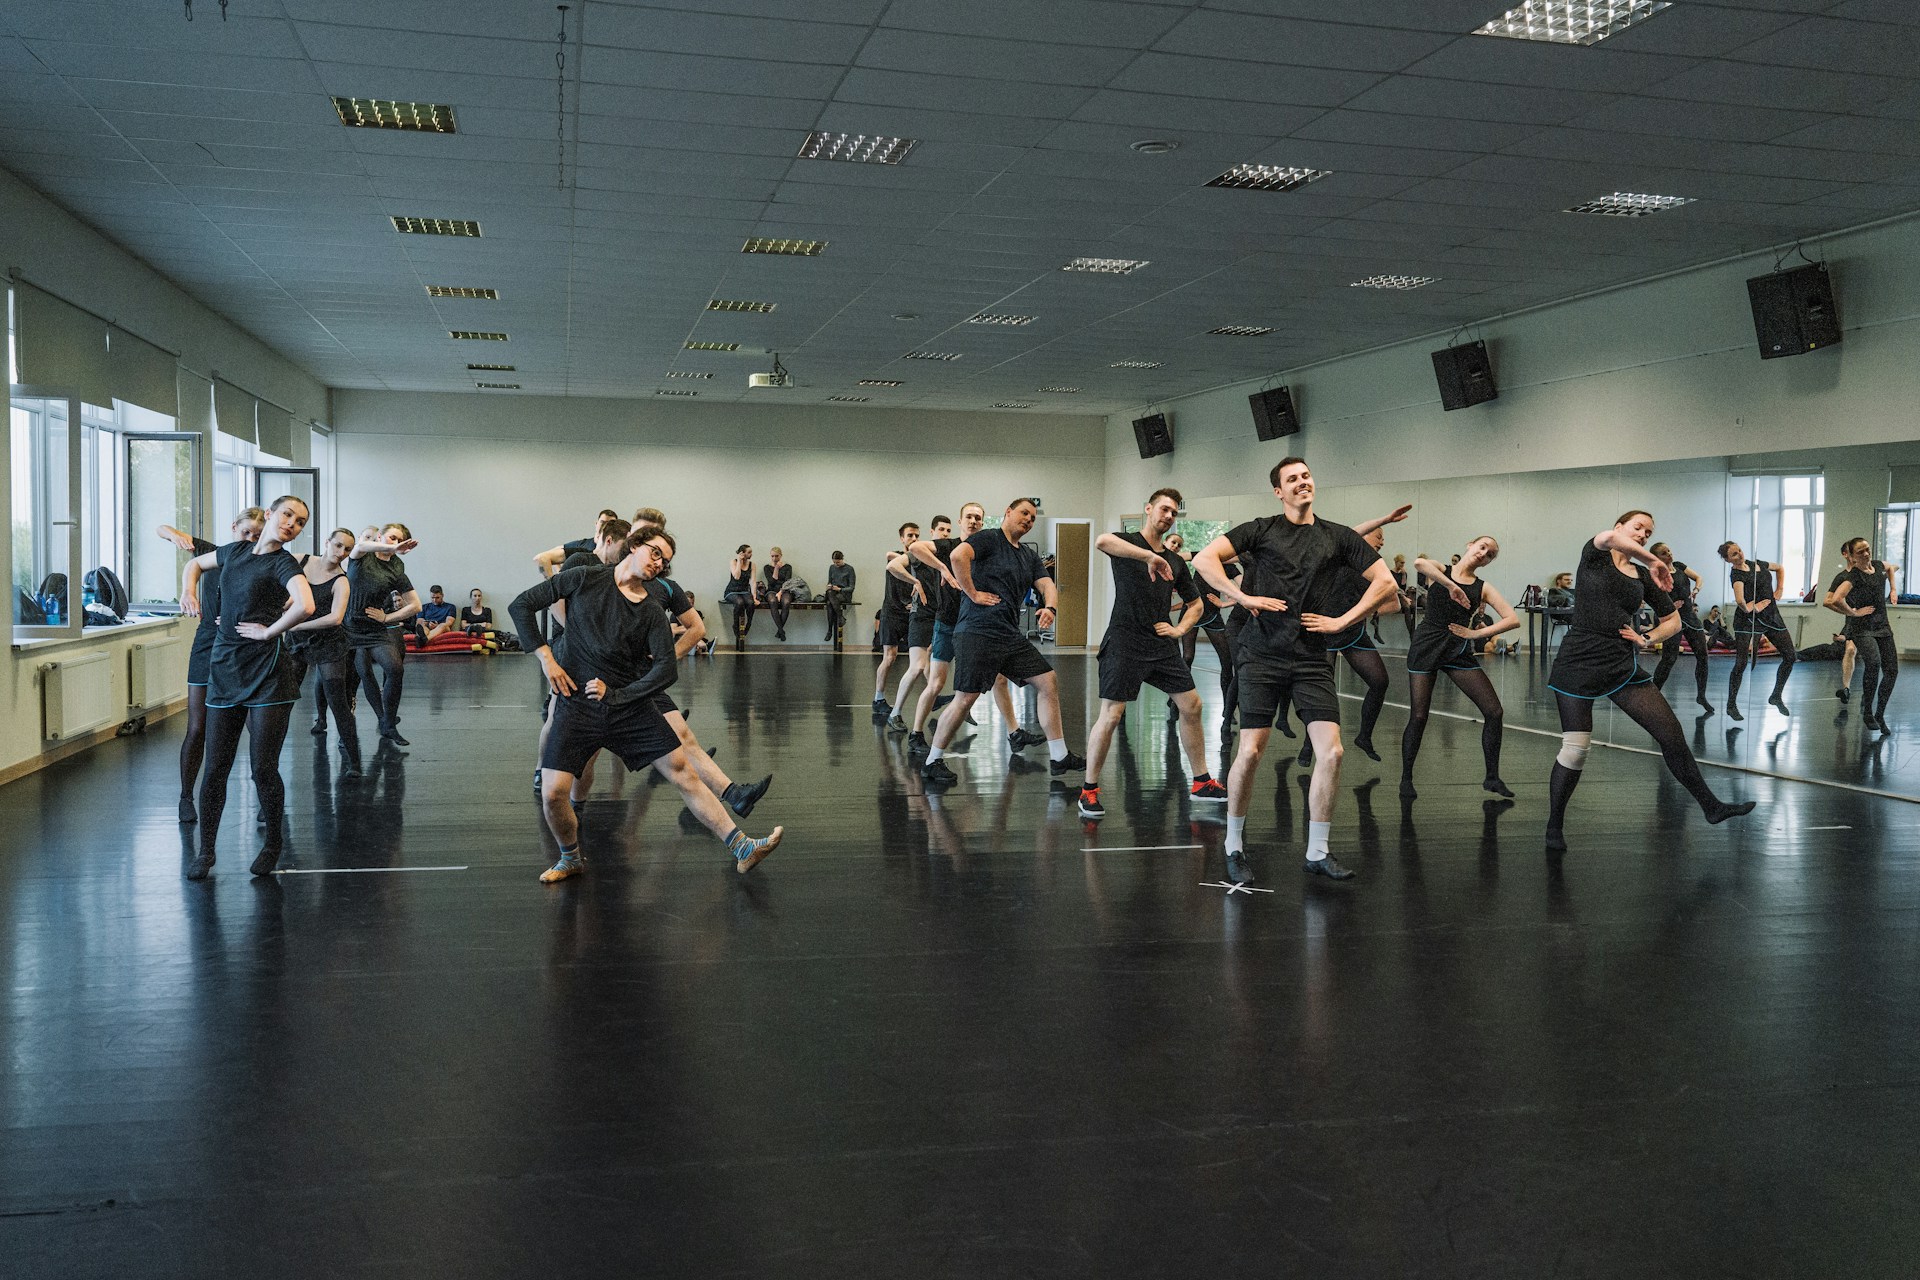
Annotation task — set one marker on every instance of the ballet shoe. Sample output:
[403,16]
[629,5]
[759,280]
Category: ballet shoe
[202,864]
[1722,811]
[1286,730]
[1365,747]
[1556,841]
[1305,757]
[1841,694]
[1704,705]
[1499,788]
[1779,703]
[1733,711]
[188,814]
[1406,790]
[264,864]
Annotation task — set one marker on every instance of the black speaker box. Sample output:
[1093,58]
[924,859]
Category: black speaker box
[1273,414]
[1794,311]
[1154,435]
[1465,376]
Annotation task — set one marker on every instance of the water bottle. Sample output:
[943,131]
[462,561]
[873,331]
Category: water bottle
[50,605]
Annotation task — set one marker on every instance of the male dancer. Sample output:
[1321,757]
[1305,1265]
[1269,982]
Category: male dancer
[926,587]
[1142,647]
[1289,572]
[618,656]
[995,572]
[939,555]
[893,618]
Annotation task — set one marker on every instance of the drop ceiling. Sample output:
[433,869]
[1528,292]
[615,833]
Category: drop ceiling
[213,151]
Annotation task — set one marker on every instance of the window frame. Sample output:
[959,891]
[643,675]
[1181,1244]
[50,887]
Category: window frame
[70,629]
[190,525]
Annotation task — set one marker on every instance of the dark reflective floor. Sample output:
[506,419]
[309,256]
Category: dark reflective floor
[958,1036]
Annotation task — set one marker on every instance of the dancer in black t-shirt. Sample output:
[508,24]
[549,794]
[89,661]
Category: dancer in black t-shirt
[1861,593]
[894,619]
[1446,640]
[1756,616]
[374,623]
[193,746]
[938,555]
[924,606]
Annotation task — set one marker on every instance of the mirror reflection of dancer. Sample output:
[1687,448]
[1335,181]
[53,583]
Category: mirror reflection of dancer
[1356,646]
[1446,640]
[373,625]
[1686,585]
[1599,658]
[1756,615]
[1290,566]
[895,622]
[193,747]
[1142,647]
[320,644]
[250,676]
[921,621]
[1861,593]
[938,554]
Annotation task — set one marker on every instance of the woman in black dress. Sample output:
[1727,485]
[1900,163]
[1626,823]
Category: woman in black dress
[1756,614]
[775,574]
[246,528]
[1600,659]
[383,599]
[320,644]
[1861,592]
[1686,583]
[476,617]
[739,593]
[251,682]
[1446,640]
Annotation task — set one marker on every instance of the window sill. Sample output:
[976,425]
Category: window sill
[134,624]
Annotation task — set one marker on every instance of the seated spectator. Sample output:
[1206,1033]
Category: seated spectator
[435,620]
[476,616]
[840,580]
[1560,594]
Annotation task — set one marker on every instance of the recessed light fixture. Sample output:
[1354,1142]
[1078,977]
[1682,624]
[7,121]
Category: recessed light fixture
[1571,21]
[436,226]
[1061,391]
[662,391]
[1104,266]
[878,382]
[1630,204]
[380,113]
[991,317]
[474,335]
[498,386]
[459,291]
[1392,282]
[1241,331]
[931,355]
[1011,404]
[1155,146]
[492,368]
[906,315]
[1267,177]
[857,148]
[851,399]
[713,346]
[790,248]
[682,373]
[1134,364]
[734,304]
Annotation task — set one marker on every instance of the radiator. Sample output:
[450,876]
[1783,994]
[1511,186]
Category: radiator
[155,675]
[76,695]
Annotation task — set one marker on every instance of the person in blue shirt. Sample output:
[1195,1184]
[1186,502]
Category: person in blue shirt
[436,617]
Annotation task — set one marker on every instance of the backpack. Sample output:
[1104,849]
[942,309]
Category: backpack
[107,590]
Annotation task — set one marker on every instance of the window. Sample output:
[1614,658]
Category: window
[1782,519]
[44,466]
[1896,538]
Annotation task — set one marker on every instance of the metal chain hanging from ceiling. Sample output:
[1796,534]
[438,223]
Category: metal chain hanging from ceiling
[223,10]
[560,114]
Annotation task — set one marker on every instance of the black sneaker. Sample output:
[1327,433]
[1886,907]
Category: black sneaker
[1090,806]
[936,772]
[942,700]
[742,796]
[895,724]
[917,743]
[1239,867]
[1068,763]
[1327,867]
[880,707]
[1022,738]
[1841,694]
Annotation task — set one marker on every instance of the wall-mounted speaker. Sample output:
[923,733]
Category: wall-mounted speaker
[1273,414]
[1465,376]
[1154,435]
[1794,311]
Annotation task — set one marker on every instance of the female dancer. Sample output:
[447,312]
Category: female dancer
[1447,641]
[1756,614]
[775,574]
[246,528]
[1600,659]
[321,643]
[250,680]
[373,625]
[1862,592]
[1686,583]
[739,593]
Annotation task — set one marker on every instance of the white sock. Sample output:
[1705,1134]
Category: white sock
[1317,833]
[1236,834]
[1057,748]
[934,753]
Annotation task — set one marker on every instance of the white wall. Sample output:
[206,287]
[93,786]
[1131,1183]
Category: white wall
[487,482]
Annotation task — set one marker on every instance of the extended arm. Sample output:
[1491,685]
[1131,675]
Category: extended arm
[1120,549]
[548,562]
[1394,516]
[693,631]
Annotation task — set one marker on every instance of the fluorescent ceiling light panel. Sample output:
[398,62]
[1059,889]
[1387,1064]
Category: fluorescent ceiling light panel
[858,148]
[789,248]
[1241,331]
[1392,282]
[713,346]
[1105,266]
[1571,21]
[436,226]
[682,373]
[498,386]
[1630,204]
[1267,177]
[662,391]
[850,399]
[381,113]
[1011,404]
[735,304]
[460,291]
[492,368]
[878,382]
[475,335]
[1134,364]
[991,317]
[1061,391]
[931,355]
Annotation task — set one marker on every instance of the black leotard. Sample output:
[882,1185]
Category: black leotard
[1865,588]
[322,644]
[253,588]
[1757,579]
[1434,647]
[1595,660]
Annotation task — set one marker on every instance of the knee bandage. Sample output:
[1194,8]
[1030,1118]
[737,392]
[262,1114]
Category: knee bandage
[1573,750]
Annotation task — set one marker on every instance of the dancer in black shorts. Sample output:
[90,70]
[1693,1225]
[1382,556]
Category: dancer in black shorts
[251,683]
[1756,615]
[938,555]
[920,621]
[1686,586]
[1356,646]
[1446,640]
[320,644]
[1142,647]
[1599,658]
[895,621]
[616,658]
[1290,572]
[374,625]
[1861,593]
[193,747]
[995,571]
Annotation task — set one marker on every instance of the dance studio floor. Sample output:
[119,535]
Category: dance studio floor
[961,1036]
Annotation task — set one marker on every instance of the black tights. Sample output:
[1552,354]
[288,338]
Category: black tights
[333,690]
[266,732]
[194,746]
[1670,654]
[383,694]
[1486,701]
[742,615]
[1190,648]
[780,607]
[1372,670]
[1879,665]
[1744,643]
[1646,708]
